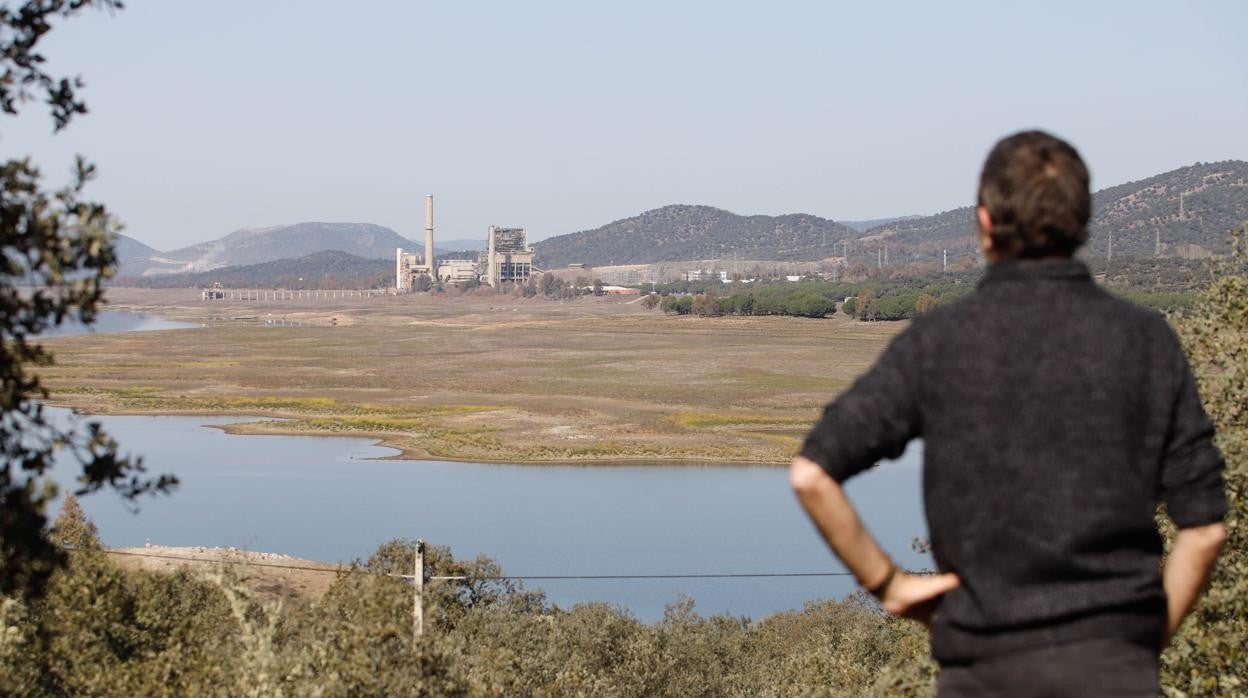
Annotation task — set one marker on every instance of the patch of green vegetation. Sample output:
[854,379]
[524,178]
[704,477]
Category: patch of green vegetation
[106,631]
[708,420]
[1163,301]
[137,391]
[790,441]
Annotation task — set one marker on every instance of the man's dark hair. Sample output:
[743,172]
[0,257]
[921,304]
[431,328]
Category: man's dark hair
[1035,187]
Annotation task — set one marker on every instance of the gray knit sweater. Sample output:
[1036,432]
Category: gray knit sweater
[1054,417]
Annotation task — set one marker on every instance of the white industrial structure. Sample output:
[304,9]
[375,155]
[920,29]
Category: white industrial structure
[457,271]
[508,257]
[409,266]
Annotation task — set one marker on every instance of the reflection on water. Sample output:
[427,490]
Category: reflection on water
[323,498]
[117,321]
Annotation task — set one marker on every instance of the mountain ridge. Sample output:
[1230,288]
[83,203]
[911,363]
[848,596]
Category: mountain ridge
[1186,212]
[257,245]
[325,269]
[1136,214]
[679,232]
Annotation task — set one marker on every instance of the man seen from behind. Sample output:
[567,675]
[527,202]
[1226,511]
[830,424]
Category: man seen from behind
[1054,417]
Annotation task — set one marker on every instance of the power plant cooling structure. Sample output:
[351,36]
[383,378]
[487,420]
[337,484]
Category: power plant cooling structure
[507,259]
[429,233]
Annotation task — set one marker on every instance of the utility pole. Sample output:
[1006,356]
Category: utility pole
[1109,251]
[944,264]
[1157,244]
[886,255]
[418,583]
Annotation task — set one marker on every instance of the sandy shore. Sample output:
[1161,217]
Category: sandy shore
[270,575]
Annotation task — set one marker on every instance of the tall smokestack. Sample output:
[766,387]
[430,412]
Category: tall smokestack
[433,270]
[489,258]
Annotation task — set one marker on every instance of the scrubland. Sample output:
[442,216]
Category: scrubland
[482,378]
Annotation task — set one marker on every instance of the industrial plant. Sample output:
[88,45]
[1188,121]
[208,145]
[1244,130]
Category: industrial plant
[506,259]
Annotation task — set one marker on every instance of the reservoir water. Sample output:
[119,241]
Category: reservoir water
[332,499]
[118,321]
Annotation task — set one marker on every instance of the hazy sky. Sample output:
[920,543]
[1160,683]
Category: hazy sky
[207,117]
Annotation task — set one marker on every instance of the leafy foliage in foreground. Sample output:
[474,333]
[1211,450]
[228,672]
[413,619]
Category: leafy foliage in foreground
[104,631]
[56,249]
[1210,654]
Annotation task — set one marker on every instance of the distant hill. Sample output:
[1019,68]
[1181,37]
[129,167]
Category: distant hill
[324,269]
[864,226]
[675,233]
[135,257]
[128,248]
[1215,201]
[253,246]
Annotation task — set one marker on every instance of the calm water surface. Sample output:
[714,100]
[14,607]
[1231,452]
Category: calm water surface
[118,321]
[328,499]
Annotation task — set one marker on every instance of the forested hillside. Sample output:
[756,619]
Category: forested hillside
[1137,214]
[1214,201]
[675,233]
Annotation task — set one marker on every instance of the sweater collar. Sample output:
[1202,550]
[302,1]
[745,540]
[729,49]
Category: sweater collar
[1053,269]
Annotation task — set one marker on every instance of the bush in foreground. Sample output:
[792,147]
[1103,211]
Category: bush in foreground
[101,630]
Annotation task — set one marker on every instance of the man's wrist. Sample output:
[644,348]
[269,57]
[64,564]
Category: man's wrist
[881,587]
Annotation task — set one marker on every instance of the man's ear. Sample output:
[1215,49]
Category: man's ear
[984,219]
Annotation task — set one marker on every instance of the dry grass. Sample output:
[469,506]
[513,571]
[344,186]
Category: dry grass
[482,378]
[270,575]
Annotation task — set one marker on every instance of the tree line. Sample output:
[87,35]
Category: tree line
[881,300]
[103,630]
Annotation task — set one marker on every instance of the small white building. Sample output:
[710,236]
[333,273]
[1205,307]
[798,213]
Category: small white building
[706,275]
[456,271]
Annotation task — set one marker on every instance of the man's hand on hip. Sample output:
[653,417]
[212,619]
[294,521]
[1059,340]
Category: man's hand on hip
[916,596]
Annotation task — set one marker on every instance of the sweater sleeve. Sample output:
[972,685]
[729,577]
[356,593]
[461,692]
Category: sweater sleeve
[875,418]
[1191,469]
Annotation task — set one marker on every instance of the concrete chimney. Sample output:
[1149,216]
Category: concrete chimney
[398,269]
[489,259]
[433,270]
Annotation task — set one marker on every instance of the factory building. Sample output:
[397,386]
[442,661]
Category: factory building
[508,257]
[409,266]
[457,271]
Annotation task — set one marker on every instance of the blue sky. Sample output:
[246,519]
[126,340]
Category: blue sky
[207,117]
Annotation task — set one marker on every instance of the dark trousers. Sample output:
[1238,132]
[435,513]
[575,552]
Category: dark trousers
[1087,668]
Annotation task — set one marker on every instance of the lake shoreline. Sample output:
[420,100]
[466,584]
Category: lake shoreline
[339,499]
[490,380]
[256,428]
